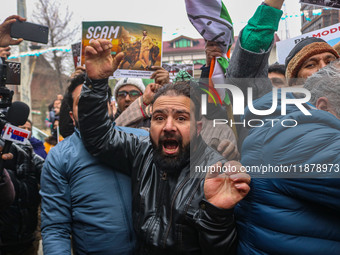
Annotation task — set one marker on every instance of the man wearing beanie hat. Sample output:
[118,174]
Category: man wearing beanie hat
[126,91]
[306,58]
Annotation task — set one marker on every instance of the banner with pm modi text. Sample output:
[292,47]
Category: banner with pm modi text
[330,34]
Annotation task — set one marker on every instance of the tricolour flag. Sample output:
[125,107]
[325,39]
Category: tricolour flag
[212,21]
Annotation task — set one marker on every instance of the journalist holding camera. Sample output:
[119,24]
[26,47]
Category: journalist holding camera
[20,167]
[6,187]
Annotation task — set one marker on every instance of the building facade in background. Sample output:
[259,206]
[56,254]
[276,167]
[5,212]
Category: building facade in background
[317,17]
[186,50]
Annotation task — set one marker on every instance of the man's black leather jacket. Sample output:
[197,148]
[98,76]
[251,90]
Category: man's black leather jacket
[170,214]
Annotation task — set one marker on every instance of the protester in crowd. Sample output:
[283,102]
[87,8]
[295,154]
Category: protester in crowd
[66,126]
[83,198]
[55,136]
[37,145]
[276,74]
[293,215]
[54,111]
[19,222]
[53,114]
[53,105]
[306,58]
[138,113]
[177,213]
[126,91]
[220,137]
[7,192]
[325,89]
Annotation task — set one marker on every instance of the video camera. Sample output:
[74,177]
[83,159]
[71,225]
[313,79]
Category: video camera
[14,114]
[9,74]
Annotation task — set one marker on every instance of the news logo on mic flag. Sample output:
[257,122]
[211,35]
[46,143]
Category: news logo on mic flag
[212,20]
[15,134]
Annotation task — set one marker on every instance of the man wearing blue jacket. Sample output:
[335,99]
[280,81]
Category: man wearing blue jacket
[296,215]
[83,198]
[299,213]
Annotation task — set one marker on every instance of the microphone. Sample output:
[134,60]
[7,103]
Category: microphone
[16,115]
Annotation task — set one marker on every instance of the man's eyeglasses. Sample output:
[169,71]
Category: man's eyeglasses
[132,94]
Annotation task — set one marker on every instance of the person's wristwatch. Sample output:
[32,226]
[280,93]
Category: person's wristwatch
[263,3]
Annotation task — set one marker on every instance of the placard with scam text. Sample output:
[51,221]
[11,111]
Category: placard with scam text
[141,45]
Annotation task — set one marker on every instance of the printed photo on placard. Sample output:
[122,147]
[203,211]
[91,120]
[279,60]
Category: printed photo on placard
[141,45]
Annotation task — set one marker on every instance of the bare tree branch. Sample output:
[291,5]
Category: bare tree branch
[50,13]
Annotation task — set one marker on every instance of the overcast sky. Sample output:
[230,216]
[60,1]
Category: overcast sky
[171,15]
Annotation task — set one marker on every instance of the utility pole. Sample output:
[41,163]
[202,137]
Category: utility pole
[26,70]
[286,21]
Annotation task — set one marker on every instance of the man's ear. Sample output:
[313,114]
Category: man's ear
[323,104]
[199,125]
[71,115]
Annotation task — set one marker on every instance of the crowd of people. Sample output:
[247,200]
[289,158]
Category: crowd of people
[123,179]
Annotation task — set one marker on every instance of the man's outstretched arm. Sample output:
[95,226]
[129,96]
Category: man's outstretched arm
[252,50]
[115,148]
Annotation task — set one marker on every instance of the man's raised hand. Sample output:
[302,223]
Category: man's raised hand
[212,49]
[98,60]
[150,92]
[160,75]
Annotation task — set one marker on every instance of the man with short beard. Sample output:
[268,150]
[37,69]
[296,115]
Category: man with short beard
[175,210]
